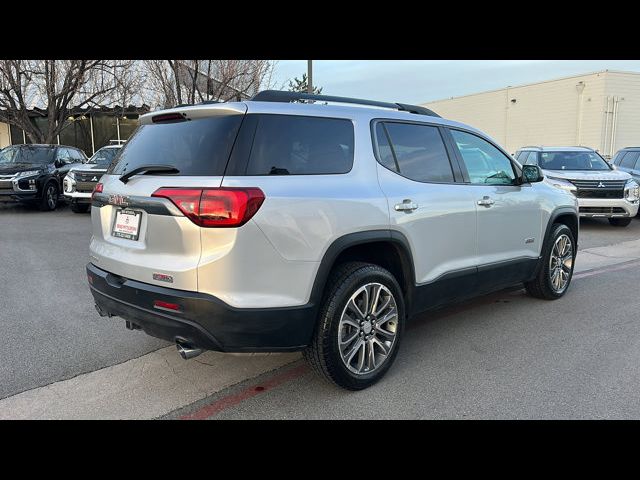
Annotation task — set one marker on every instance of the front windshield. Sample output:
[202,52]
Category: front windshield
[104,156]
[572,161]
[26,154]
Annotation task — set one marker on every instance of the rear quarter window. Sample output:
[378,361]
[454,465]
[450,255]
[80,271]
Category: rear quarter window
[196,147]
[300,145]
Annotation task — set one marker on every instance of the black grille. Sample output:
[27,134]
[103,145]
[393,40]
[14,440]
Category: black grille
[5,184]
[6,191]
[85,187]
[602,210]
[599,188]
[599,183]
[88,177]
[600,193]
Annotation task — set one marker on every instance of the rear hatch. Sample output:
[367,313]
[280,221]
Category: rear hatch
[148,238]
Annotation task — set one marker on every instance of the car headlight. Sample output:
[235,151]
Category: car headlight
[632,190]
[28,173]
[562,183]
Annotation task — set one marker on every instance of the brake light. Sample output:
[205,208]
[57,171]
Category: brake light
[98,189]
[168,117]
[215,207]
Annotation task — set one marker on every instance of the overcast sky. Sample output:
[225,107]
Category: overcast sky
[420,81]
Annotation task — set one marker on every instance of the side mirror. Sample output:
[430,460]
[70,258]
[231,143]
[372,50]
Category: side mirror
[58,163]
[531,174]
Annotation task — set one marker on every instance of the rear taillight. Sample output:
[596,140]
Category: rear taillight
[98,189]
[215,207]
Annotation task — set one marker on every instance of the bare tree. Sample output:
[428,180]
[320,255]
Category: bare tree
[57,87]
[174,82]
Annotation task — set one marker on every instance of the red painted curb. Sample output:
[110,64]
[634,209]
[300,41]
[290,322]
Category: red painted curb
[231,400]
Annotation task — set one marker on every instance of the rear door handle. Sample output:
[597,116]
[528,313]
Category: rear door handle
[406,206]
[486,201]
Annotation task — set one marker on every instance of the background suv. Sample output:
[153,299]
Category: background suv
[81,180]
[628,160]
[34,173]
[601,190]
[268,225]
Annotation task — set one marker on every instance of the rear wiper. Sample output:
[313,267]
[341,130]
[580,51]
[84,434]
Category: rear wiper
[148,169]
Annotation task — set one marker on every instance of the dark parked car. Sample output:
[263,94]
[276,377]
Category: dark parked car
[34,173]
[628,160]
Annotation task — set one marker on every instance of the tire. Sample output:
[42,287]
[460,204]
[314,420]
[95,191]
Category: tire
[49,199]
[335,323]
[543,286]
[79,208]
[620,222]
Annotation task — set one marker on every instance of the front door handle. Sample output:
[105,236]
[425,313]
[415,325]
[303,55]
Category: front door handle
[406,206]
[486,201]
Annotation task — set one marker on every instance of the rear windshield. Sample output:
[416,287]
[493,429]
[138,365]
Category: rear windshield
[194,147]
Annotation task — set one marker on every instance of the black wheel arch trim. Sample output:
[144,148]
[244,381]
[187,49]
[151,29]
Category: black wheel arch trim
[558,212]
[349,240]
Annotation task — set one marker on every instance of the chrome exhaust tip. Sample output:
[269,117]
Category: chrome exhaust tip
[187,352]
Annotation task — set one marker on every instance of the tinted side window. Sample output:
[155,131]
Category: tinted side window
[532,158]
[618,156]
[77,155]
[521,156]
[63,155]
[385,155]
[297,145]
[419,152]
[629,160]
[485,163]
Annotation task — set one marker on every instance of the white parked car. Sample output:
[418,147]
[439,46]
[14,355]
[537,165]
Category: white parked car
[80,181]
[602,191]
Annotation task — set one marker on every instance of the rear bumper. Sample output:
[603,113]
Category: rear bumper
[204,321]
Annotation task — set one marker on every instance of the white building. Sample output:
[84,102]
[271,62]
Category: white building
[600,110]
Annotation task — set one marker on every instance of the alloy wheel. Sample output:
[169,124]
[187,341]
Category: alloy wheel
[367,329]
[561,263]
[51,200]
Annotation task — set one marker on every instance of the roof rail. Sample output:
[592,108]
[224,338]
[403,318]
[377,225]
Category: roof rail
[286,97]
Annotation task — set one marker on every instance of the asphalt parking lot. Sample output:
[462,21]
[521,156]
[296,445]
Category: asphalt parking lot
[50,328]
[502,356]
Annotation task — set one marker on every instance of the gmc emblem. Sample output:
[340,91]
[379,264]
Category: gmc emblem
[118,200]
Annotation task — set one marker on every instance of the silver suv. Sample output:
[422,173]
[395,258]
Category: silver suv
[601,190]
[280,224]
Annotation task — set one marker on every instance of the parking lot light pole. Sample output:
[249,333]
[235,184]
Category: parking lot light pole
[309,76]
